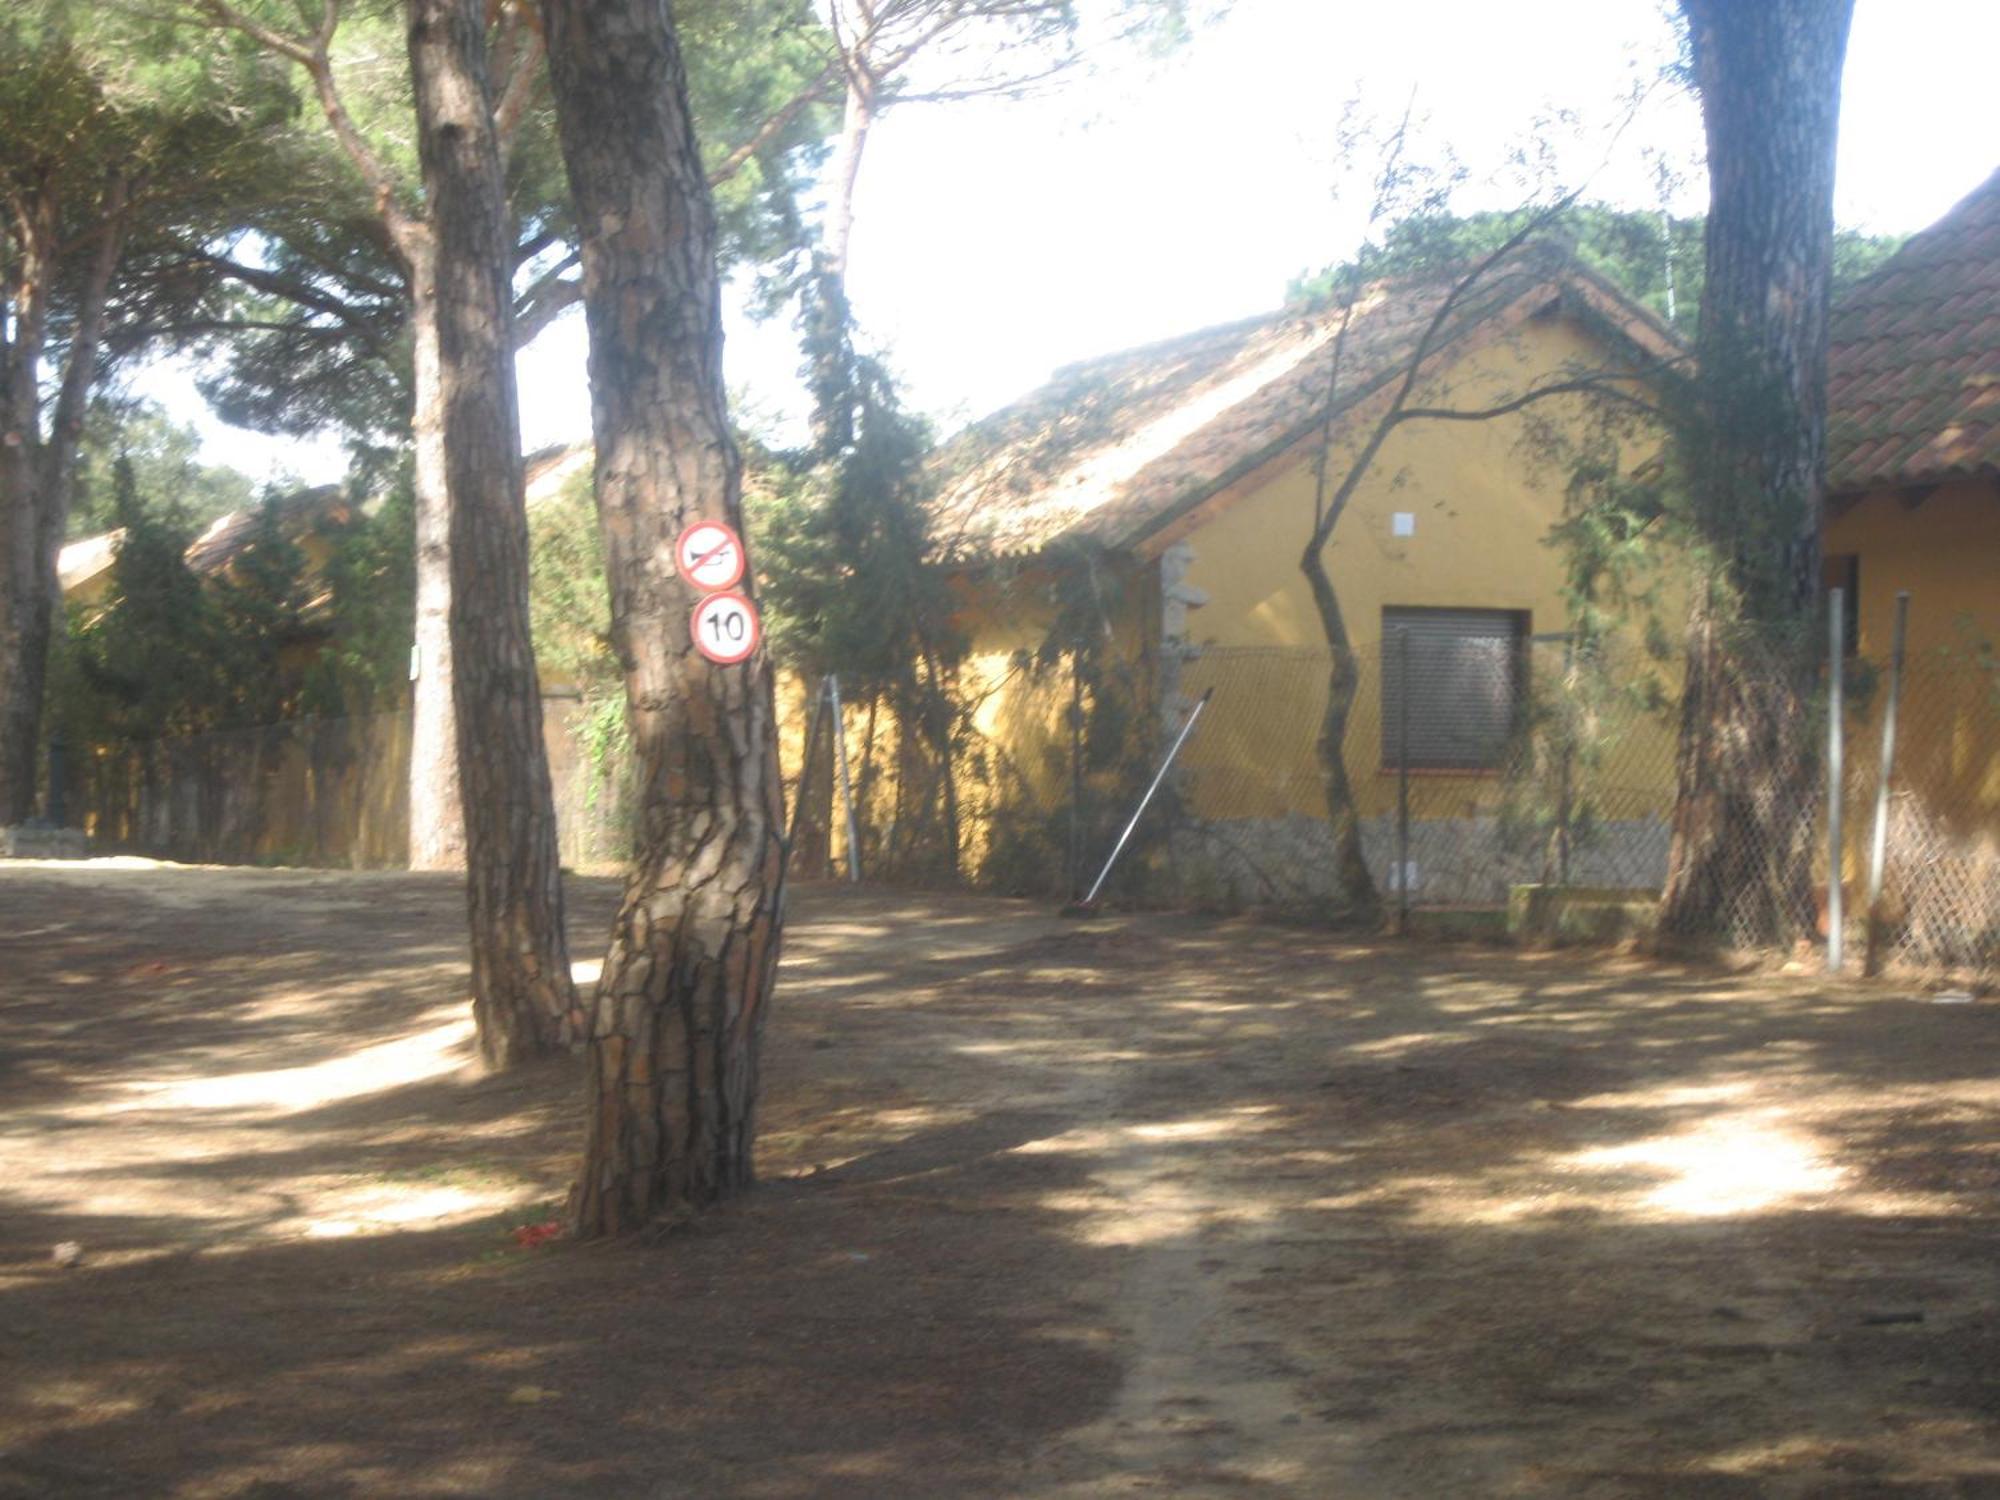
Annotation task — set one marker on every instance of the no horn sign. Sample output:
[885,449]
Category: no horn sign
[725,627]
[710,556]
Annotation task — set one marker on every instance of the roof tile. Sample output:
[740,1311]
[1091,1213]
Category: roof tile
[1910,392]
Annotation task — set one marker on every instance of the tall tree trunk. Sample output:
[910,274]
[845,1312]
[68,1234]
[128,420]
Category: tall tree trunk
[829,319]
[1753,451]
[26,614]
[694,950]
[38,471]
[437,818]
[523,999]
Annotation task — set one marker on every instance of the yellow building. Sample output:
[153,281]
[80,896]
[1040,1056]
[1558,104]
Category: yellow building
[1913,482]
[1152,508]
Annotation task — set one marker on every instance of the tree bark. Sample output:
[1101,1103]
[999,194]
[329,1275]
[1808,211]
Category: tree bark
[26,612]
[523,1000]
[1752,448]
[37,468]
[437,818]
[1353,887]
[687,981]
[829,319]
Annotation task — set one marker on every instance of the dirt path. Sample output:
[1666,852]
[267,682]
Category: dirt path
[1144,1206]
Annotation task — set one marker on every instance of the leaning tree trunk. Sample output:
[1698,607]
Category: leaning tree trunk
[829,319]
[694,950]
[1753,450]
[1354,890]
[437,820]
[523,999]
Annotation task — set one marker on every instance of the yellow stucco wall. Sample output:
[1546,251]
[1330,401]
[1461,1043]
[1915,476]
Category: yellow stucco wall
[1944,549]
[1482,503]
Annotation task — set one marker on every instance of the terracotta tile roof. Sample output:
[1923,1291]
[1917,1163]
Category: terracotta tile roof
[302,511]
[547,470]
[220,543]
[1913,368]
[1110,449]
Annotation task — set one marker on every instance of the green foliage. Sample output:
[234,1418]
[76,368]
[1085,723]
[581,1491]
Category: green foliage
[143,665]
[569,603]
[845,551]
[852,584]
[260,638]
[569,606]
[316,336]
[161,454]
[1654,259]
[258,607]
[370,586]
[747,60]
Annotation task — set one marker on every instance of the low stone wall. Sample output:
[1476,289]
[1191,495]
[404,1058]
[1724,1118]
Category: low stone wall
[27,841]
[1452,861]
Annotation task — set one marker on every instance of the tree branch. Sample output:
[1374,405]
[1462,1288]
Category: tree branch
[1604,384]
[80,370]
[303,293]
[512,106]
[1419,357]
[544,302]
[314,57]
[774,125]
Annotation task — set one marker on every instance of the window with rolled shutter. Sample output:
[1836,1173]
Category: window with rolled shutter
[1467,671]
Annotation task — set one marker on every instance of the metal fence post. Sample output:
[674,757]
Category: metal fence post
[1871,959]
[1403,783]
[846,790]
[1835,672]
[1563,809]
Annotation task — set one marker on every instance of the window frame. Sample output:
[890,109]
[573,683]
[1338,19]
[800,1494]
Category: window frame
[1519,634]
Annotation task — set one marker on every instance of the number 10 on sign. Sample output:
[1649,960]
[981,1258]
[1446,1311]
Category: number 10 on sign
[726,629]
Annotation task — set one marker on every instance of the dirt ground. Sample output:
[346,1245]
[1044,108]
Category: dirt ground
[1148,1206]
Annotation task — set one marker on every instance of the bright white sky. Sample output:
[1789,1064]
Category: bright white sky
[996,241]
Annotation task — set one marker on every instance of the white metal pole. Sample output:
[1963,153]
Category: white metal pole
[1146,801]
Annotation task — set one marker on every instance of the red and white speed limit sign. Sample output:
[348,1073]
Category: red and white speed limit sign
[709,555]
[726,628]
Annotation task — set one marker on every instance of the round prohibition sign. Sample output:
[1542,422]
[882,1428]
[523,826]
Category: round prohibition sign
[726,629]
[709,555]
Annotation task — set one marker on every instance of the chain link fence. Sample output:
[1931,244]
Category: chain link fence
[1474,761]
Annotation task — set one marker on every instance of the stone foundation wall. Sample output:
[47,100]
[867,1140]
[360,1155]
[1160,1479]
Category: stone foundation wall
[1453,861]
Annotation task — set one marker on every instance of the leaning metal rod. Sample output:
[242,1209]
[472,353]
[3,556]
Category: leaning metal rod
[1146,801]
[1871,959]
[1837,646]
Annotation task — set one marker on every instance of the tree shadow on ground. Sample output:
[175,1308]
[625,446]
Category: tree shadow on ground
[1163,1202]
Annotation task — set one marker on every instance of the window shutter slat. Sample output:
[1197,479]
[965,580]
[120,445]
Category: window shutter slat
[1464,692]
